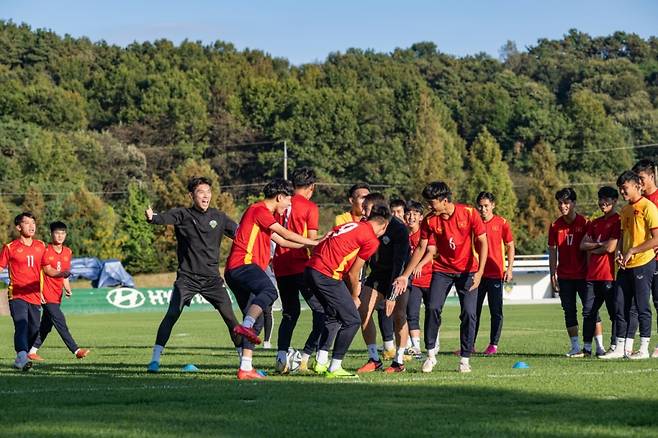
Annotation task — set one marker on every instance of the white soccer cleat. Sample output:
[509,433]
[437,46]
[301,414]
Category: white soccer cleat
[639,355]
[267,345]
[429,364]
[617,353]
[654,355]
[464,368]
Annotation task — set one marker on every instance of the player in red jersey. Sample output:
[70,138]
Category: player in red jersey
[345,251]
[600,242]
[249,257]
[420,283]
[302,217]
[646,170]
[450,233]
[501,242]
[23,258]
[57,256]
[568,263]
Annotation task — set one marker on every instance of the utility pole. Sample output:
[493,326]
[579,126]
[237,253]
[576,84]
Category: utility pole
[285,160]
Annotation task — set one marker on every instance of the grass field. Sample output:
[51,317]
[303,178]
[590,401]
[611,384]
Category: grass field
[110,394]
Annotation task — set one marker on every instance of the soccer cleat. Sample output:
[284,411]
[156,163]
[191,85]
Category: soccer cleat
[35,357]
[429,364]
[320,368]
[388,354]
[464,368]
[340,373]
[281,366]
[587,353]
[654,355]
[153,367]
[250,375]
[303,367]
[576,352]
[613,354]
[267,345]
[247,332]
[82,352]
[370,366]
[639,355]
[600,352]
[23,365]
[491,350]
[395,368]
[414,352]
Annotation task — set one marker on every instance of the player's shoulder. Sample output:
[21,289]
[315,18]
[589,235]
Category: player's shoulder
[40,244]
[558,222]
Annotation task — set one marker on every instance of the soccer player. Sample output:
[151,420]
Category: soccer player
[568,263]
[199,230]
[345,251]
[385,266]
[23,257]
[420,283]
[356,194]
[636,258]
[646,170]
[302,218]
[248,260]
[600,242]
[449,234]
[57,256]
[500,242]
[398,209]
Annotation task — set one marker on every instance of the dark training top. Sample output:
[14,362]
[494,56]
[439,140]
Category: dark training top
[390,259]
[199,236]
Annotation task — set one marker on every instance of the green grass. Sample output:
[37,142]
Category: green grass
[109,393]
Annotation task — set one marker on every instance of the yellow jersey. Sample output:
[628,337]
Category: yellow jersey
[637,221]
[344,218]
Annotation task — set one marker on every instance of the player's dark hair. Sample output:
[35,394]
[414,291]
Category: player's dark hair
[380,212]
[437,190]
[608,192]
[628,176]
[374,198]
[196,181]
[57,226]
[398,203]
[303,177]
[645,165]
[565,194]
[415,206]
[485,195]
[18,219]
[355,187]
[278,186]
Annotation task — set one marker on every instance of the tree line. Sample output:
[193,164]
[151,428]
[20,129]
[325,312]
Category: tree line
[90,133]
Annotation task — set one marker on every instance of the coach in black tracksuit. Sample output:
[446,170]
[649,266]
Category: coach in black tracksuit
[199,231]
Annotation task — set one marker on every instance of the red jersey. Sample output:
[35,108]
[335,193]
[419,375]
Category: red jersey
[51,288]
[453,238]
[571,261]
[336,254]
[252,238]
[302,216]
[601,267]
[24,264]
[499,234]
[653,198]
[426,274]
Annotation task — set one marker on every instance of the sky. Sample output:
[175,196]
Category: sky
[307,31]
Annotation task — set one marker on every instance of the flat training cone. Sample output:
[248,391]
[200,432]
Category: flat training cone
[521,365]
[190,368]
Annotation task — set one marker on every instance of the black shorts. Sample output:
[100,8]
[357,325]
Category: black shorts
[381,284]
[212,289]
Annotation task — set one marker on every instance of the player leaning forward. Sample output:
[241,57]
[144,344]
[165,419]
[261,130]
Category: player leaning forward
[448,234]
[248,260]
[199,231]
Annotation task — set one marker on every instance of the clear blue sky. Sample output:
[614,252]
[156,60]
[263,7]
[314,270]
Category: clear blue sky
[306,31]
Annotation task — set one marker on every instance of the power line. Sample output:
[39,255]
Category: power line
[620,148]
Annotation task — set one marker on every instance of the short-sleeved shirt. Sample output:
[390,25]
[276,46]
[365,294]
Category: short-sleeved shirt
[653,197]
[601,267]
[499,234]
[345,218]
[252,238]
[337,253]
[637,221]
[453,238]
[51,288]
[571,261]
[426,273]
[24,264]
[301,217]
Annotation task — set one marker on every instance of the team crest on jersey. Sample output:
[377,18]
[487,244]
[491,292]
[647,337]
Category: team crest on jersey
[386,240]
[51,258]
[19,250]
[213,223]
[461,224]
[494,228]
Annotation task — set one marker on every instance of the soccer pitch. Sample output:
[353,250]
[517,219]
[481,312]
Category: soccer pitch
[110,394]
